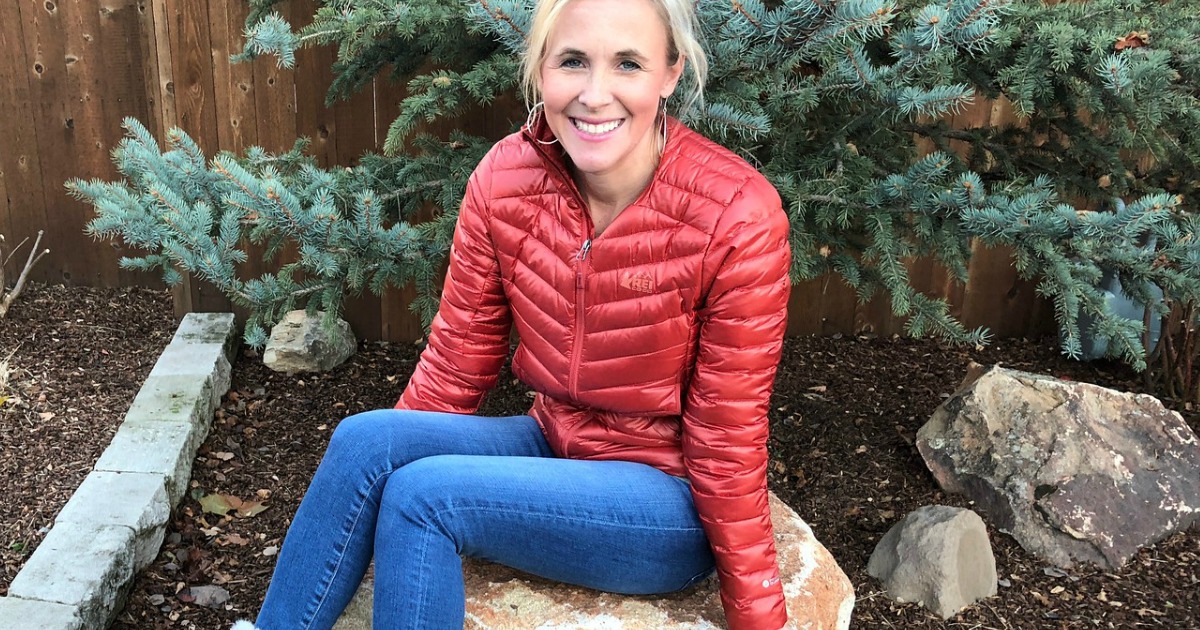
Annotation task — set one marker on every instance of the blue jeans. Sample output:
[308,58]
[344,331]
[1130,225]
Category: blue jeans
[417,489]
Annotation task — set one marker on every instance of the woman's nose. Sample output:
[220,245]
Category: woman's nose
[597,92]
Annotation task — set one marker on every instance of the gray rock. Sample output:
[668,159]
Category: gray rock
[86,567]
[134,500]
[1073,471]
[300,343]
[938,556]
[819,595]
[31,613]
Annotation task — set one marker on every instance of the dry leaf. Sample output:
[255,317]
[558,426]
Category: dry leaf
[250,508]
[208,596]
[1135,39]
[233,539]
[219,504]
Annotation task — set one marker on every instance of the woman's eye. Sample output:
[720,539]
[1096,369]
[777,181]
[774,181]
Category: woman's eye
[571,63]
[630,66]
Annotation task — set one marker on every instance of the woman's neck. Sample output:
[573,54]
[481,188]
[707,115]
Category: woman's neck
[607,197]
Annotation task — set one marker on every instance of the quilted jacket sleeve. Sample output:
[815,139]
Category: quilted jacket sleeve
[725,412]
[468,340]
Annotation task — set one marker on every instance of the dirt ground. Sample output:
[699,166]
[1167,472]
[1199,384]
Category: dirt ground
[845,413]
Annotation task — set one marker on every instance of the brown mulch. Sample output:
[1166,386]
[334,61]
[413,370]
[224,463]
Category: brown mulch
[71,361]
[845,414]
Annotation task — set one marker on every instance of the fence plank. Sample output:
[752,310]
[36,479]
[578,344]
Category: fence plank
[234,85]
[192,71]
[117,74]
[275,97]
[192,84]
[23,208]
[315,121]
[159,68]
[55,96]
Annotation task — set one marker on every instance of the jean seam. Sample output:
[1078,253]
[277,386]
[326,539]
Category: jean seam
[577,519]
[423,586]
[340,551]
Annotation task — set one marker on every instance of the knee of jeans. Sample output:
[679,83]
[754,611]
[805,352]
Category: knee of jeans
[358,432]
[423,491]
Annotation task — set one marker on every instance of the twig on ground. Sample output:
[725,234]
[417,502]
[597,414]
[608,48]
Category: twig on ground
[34,257]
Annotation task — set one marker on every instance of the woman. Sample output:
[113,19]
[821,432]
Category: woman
[646,271]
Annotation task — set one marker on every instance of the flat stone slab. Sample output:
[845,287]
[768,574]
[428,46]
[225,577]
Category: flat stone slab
[819,595]
[198,360]
[137,501]
[163,429]
[86,567]
[17,613]
[199,328]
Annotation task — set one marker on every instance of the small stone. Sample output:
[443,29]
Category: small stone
[300,343]
[938,556]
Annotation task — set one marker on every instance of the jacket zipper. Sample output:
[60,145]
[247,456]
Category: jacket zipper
[577,344]
[580,258]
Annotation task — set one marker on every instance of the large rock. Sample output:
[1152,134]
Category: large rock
[300,343]
[1074,472]
[938,556]
[819,595]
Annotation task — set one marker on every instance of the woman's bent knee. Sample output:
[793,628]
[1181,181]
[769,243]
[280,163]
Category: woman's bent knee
[359,436]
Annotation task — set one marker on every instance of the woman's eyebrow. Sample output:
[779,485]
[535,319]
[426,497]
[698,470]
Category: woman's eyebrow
[631,53]
[628,53]
[570,52]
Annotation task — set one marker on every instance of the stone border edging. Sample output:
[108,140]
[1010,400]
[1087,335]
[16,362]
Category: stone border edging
[114,523]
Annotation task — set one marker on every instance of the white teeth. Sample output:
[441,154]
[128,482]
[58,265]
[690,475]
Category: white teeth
[595,129]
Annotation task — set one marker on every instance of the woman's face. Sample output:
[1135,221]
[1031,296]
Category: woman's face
[603,75]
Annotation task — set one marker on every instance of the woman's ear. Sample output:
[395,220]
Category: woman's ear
[674,73]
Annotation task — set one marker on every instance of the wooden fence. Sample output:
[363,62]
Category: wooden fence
[70,70]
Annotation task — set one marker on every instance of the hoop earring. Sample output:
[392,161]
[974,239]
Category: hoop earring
[663,129]
[531,120]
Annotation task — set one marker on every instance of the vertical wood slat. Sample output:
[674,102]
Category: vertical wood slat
[121,86]
[160,67]
[193,87]
[43,28]
[995,296]
[23,208]
[235,95]
[233,83]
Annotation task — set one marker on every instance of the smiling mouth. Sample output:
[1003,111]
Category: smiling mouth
[596,130]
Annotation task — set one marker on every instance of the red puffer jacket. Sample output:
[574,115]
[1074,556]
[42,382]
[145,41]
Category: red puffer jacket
[656,342]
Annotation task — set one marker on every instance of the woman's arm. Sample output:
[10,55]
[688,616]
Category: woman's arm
[725,412]
[468,340]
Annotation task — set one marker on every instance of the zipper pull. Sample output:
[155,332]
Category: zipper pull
[583,251]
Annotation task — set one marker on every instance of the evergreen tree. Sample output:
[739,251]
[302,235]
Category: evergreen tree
[831,99]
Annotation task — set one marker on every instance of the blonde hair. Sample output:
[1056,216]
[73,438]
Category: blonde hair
[679,16]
